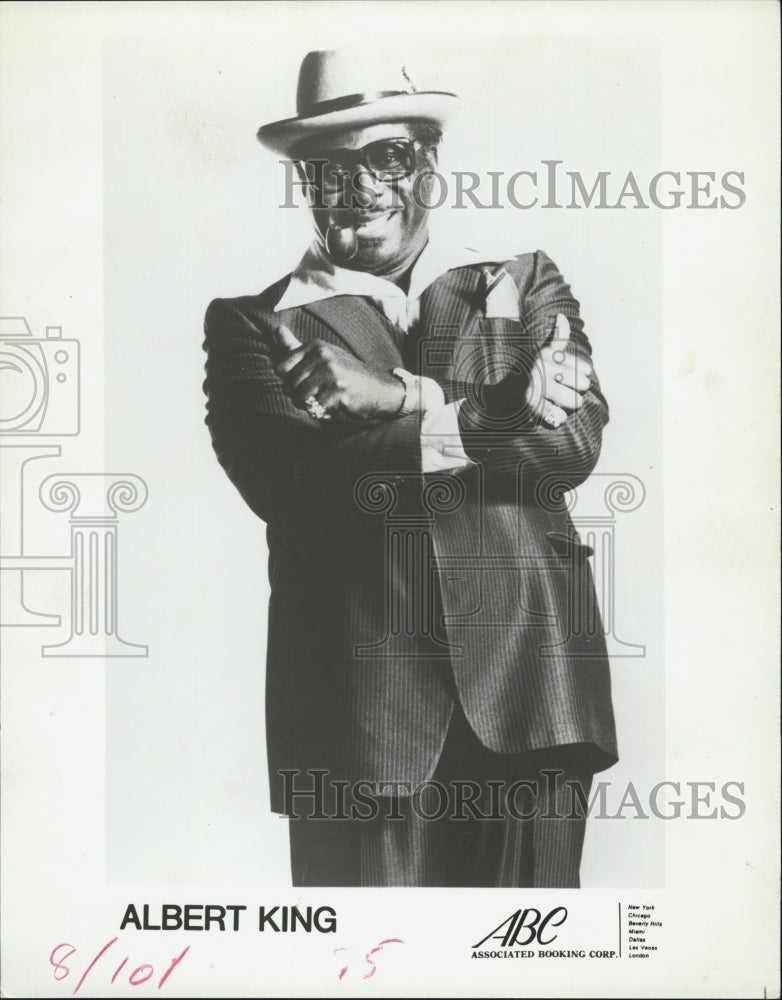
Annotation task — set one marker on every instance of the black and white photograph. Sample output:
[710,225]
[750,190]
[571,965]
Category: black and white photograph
[389,449]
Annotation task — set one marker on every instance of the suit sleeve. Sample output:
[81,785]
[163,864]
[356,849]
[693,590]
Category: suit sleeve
[570,451]
[290,469]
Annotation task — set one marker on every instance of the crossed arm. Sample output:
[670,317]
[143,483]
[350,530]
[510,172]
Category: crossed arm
[288,466]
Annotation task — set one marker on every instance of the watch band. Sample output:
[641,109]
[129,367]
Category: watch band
[410,400]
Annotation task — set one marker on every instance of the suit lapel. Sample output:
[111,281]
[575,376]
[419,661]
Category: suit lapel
[362,328]
[450,309]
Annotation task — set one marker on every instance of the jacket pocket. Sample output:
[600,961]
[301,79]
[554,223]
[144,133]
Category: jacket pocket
[569,546]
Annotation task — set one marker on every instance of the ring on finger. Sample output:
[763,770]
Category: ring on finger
[553,415]
[315,409]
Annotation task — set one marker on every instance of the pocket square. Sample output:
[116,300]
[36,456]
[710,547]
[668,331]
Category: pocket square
[502,296]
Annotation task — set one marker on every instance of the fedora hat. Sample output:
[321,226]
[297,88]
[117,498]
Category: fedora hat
[346,88]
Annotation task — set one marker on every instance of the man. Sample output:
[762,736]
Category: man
[405,417]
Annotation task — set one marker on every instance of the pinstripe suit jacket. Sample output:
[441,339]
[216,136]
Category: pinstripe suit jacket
[393,593]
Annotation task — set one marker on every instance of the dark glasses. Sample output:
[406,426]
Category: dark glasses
[386,160]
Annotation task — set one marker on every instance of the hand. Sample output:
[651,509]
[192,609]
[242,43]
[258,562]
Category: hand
[558,380]
[337,381]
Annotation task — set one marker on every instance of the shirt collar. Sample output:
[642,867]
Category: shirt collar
[317,277]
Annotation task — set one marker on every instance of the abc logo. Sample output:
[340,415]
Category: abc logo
[526,927]
[40,380]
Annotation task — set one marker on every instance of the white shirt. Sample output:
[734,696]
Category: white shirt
[317,277]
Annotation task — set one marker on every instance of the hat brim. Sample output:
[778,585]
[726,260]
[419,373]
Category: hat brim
[434,106]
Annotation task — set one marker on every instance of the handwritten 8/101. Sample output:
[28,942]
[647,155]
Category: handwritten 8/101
[141,974]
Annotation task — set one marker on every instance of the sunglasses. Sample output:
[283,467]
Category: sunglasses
[386,160]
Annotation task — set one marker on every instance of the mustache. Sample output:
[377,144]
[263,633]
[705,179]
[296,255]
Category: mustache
[359,202]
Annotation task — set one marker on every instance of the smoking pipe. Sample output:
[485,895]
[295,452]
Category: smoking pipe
[341,242]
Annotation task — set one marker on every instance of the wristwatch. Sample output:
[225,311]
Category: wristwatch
[412,391]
